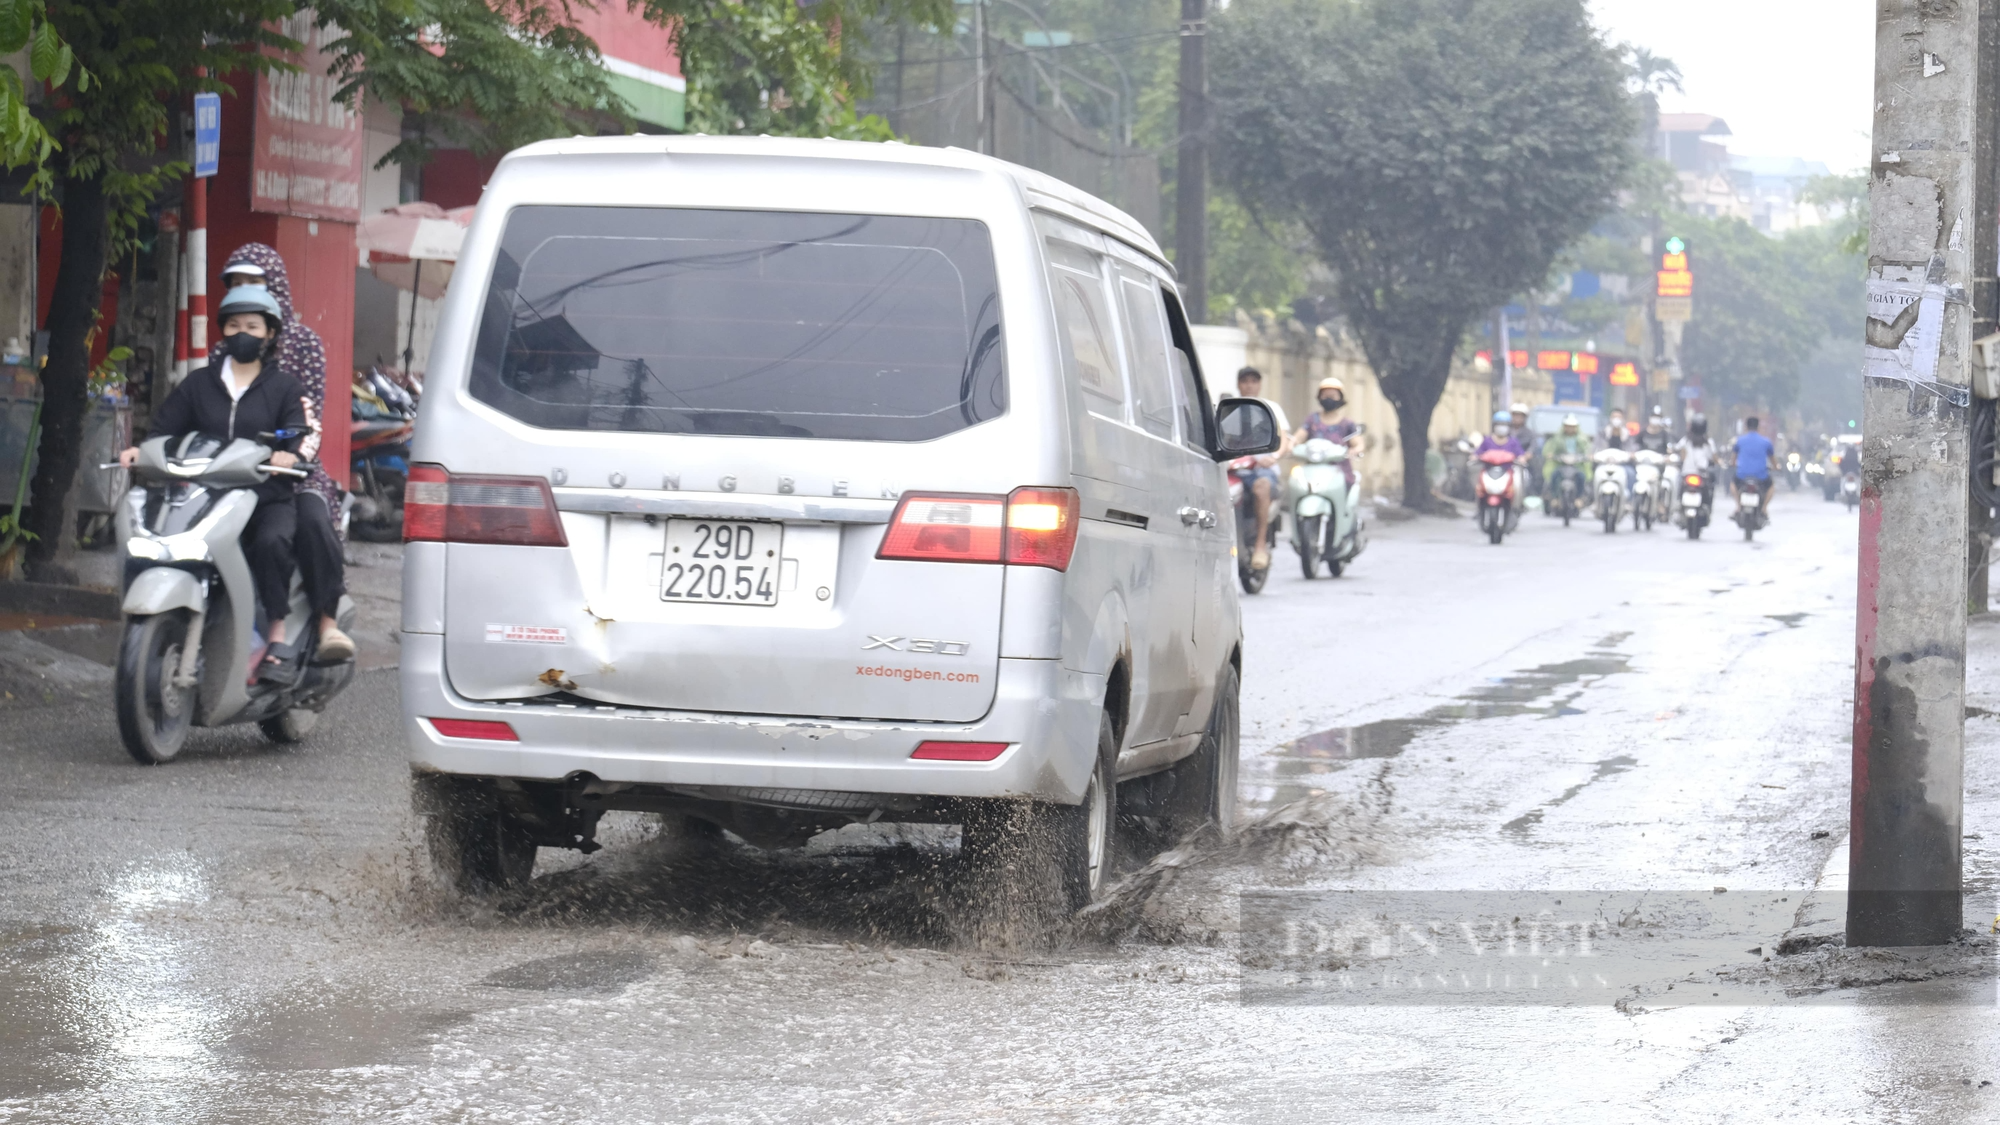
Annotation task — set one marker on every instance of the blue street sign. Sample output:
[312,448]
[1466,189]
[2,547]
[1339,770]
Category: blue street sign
[207,133]
[1690,392]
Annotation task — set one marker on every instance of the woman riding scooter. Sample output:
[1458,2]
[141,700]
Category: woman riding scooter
[241,395]
[1329,424]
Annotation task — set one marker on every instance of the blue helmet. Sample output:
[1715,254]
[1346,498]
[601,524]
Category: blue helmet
[251,298]
[1502,417]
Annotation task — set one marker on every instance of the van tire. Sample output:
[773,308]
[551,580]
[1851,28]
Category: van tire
[1030,864]
[478,846]
[1204,790]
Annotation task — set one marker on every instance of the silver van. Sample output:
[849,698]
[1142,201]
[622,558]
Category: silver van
[774,485]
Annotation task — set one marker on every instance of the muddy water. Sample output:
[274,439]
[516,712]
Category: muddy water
[1548,691]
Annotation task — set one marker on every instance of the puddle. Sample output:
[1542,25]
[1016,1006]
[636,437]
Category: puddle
[576,972]
[1788,620]
[1609,767]
[1533,691]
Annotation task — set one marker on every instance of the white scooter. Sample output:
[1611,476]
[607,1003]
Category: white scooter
[1750,515]
[1326,510]
[1649,499]
[191,609]
[1608,482]
[1850,490]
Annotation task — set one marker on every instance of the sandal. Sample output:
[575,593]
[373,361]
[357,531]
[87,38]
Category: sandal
[277,666]
[335,647]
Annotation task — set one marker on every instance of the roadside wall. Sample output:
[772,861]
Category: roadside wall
[1294,359]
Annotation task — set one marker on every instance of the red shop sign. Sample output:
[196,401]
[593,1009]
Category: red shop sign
[308,153]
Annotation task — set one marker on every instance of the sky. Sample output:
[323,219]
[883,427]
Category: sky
[1791,77]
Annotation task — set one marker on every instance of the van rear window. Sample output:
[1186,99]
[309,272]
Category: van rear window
[769,323]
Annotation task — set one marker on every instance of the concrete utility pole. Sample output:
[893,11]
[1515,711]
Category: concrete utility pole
[1191,165]
[1931,251]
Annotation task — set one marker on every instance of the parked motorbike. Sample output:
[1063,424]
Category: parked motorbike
[1794,469]
[1497,494]
[1696,502]
[1649,498]
[191,615]
[1751,514]
[1609,484]
[383,417]
[1325,509]
[1850,490]
[1245,502]
[1566,488]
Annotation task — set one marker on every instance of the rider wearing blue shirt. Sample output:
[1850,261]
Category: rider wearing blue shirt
[1754,459]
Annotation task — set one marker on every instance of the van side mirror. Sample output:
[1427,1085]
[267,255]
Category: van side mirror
[1244,427]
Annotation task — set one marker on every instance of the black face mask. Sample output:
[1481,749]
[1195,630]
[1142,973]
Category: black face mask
[1332,403]
[242,346]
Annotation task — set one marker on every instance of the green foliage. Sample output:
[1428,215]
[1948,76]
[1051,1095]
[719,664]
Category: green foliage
[488,75]
[1251,265]
[1847,197]
[24,25]
[1765,311]
[1436,173]
[780,66]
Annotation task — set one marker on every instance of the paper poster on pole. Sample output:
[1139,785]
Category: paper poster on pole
[1905,327]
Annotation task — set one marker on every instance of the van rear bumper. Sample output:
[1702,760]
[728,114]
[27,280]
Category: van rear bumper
[1047,713]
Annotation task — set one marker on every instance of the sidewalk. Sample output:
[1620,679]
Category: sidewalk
[48,656]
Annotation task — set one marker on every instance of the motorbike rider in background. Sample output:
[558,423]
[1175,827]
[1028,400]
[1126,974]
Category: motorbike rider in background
[1327,423]
[1699,455]
[1503,438]
[1755,458]
[1654,438]
[1571,442]
[1264,478]
[1531,444]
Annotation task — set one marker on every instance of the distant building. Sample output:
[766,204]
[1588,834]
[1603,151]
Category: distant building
[1761,190]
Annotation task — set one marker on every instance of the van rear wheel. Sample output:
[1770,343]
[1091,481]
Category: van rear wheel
[1030,865]
[478,846]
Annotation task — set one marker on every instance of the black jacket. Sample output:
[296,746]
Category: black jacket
[274,401]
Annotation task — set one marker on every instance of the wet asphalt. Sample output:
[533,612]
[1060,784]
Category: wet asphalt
[252,934]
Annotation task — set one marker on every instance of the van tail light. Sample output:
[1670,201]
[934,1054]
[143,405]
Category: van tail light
[443,507]
[959,751]
[1030,527]
[486,730]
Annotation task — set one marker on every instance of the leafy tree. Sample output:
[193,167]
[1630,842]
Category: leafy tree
[1440,153]
[784,67]
[24,25]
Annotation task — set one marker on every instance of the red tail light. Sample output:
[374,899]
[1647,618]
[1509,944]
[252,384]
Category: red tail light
[1041,527]
[959,751]
[1030,527]
[442,507]
[486,730]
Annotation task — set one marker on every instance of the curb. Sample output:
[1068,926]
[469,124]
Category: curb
[73,601]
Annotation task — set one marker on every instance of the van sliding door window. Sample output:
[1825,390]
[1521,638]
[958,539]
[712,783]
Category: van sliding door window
[767,323]
[1084,318]
[1146,346]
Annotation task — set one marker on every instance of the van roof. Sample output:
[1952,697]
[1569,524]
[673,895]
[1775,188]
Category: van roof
[1040,189]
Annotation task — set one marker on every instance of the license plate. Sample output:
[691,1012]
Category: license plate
[733,562]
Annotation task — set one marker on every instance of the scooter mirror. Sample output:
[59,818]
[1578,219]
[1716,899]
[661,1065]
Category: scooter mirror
[1244,427]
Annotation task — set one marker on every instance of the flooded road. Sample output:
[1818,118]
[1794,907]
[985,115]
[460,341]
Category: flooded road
[252,935]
